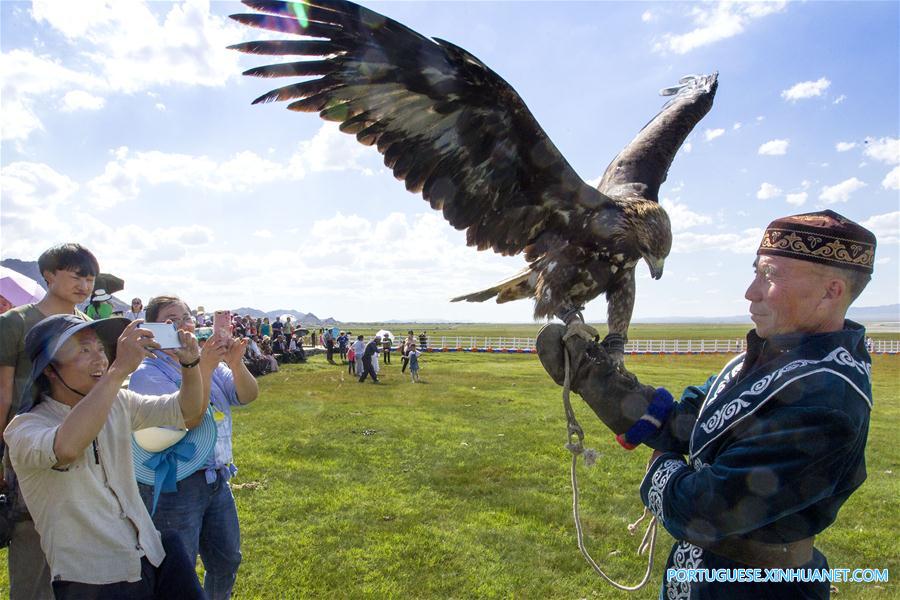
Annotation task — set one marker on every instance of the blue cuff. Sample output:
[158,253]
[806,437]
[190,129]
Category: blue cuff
[651,422]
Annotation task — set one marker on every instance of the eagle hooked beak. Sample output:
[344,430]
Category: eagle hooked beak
[656,266]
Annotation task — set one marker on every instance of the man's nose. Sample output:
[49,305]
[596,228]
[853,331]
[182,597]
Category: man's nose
[752,292]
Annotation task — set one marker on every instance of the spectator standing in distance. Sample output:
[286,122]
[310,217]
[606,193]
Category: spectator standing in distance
[69,271]
[72,453]
[351,361]
[312,336]
[202,509]
[136,311]
[368,357]
[288,326]
[359,348]
[100,306]
[423,341]
[407,343]
[329,346]
[343,341]
[386,349]
[277,327]
[414,363]
[265,328]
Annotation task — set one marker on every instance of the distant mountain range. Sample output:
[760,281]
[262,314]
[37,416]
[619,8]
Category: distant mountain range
[864,314]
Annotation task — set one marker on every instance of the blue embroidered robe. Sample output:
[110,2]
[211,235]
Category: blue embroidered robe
[775,445]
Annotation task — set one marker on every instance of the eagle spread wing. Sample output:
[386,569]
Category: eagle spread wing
[641,167]
[458,133]
[446,124]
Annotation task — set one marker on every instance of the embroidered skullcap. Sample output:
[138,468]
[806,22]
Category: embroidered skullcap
[823,237]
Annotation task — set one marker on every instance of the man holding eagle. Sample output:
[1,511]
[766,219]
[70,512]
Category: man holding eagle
[767,471]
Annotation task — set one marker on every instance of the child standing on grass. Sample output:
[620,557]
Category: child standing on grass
[351,361]
[413,356]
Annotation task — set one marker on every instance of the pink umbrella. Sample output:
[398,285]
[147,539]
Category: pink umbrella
[19,289]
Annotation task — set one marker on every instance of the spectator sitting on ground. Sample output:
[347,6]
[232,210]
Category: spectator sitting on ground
[136,311]
[295,350]
[202,509]
[264,353]
[72,454]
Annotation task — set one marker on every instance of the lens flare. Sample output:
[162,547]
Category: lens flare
[299,11]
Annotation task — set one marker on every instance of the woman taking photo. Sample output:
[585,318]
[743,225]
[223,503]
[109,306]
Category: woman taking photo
[202,509]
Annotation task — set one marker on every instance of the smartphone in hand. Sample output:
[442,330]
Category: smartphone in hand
[164,334]
[222,324]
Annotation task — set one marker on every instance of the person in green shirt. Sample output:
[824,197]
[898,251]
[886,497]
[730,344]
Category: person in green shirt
[100,306]
[69,270]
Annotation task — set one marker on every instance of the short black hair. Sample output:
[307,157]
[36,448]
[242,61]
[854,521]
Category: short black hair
[69,257]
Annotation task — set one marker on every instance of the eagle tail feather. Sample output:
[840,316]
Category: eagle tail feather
[514,288]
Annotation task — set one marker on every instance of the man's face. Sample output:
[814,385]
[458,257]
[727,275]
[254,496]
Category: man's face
[5,305]
[81,361]
[785,295]
[69,285]
[178,313]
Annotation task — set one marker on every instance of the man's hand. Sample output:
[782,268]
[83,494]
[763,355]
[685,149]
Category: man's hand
[656,454]
[134,345]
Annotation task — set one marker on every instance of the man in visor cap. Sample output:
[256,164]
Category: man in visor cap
[70,447]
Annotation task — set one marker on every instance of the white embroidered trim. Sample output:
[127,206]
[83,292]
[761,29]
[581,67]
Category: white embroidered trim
[839,355]
[658,485]
[686,556]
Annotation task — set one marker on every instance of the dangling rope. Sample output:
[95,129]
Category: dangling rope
[575,445]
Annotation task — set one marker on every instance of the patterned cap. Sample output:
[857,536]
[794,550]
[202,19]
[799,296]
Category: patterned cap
[823,237]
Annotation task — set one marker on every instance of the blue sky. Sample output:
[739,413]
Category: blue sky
[127,126]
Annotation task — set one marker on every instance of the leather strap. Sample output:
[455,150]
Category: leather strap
[789,555]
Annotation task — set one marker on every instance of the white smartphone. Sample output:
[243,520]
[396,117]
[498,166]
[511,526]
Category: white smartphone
[164,334]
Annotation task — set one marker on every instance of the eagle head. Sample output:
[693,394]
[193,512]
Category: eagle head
[652,233]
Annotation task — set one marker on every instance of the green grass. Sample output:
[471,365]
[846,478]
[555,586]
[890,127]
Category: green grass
[458,487]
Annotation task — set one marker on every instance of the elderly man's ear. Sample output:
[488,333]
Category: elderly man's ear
[835,289]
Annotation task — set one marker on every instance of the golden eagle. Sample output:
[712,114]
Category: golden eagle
[454,130]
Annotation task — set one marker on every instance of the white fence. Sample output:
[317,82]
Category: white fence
[517,344]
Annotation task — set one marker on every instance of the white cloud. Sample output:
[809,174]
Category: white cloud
[647,16]
[160,106]
[711,134]
[744,242]
[682,217]
[263,233]
[886,149]
[331,150]
[840,192]
[715,22]
[687,147]
[767,191]
[29,185]
[806,89]
[774,148]
[844,146]
[81,100]
[133,49]
[891,181]
[840,99]
[796,199]
[886,227]
[737,125]
[28,80]
[114,47]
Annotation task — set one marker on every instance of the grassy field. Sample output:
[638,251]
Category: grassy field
[458,487]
